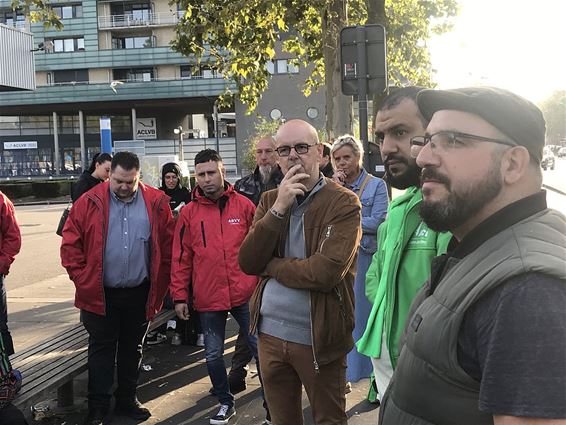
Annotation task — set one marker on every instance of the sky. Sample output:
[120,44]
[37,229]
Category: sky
[519,45]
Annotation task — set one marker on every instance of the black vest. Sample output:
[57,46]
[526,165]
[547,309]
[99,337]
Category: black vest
[429,386]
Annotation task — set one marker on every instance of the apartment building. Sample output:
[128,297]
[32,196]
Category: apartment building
[112,59]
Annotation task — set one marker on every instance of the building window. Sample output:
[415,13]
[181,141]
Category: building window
[134,74]
[13,19]
[312,112]
[275,114]
[68,11]
[199,71]
[138,42]
[71,76]
[134,11]
[59,45]
[282,66]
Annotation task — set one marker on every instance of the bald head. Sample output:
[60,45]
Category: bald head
[294,130]
[298,145]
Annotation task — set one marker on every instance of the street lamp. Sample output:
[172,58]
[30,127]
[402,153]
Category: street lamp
[179,131]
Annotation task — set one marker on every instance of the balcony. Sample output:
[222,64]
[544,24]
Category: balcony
[85,92]
[21,25]
[132,21]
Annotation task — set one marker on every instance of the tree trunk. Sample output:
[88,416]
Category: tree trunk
[339,112]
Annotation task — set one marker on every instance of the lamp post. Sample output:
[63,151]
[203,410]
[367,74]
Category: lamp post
[179,131]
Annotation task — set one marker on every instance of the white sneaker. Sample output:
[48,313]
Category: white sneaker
[223,416]
[200,340]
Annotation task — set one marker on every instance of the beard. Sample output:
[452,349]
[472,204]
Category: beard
[459,205]
[406,179]
[265,173]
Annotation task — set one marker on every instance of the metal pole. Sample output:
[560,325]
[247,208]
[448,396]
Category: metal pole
[134,124]
[56,161]
[362,91]
[84,160]
[216,127]
[181,153]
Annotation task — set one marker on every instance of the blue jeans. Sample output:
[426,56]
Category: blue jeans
[214,329]
[6,336]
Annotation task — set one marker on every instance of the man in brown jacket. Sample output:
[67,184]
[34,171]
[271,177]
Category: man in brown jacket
[304,241]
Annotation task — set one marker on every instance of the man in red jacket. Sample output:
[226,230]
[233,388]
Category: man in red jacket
[208,235]
[10,244]
[117,250]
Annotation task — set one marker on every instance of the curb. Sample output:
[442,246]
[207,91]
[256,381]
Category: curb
[32,203]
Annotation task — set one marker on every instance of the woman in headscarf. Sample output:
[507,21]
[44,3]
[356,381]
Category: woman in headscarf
[171,184]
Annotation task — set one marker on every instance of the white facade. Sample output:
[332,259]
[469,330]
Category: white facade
[17,66]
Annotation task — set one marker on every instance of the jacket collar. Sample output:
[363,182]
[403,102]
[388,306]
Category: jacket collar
[496,223]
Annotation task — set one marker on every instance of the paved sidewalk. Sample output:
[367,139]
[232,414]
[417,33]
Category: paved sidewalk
[175,388]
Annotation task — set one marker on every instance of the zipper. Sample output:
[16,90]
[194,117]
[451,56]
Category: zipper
[340,301]
[98,202]
[203,234]
[315,361]
[326,236]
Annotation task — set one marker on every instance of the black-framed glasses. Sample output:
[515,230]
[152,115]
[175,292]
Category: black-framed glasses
[300,148]
[446,140]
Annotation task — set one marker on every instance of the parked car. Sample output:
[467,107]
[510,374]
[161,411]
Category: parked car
[562,152]
[548,159]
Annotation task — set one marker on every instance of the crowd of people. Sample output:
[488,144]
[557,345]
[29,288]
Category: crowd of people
[449,297]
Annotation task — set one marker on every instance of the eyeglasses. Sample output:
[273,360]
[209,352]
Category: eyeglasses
[447,140]
[300,148]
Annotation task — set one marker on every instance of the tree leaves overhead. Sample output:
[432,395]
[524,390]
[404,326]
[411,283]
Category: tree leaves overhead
[239,37]
[38,11]
[554,111]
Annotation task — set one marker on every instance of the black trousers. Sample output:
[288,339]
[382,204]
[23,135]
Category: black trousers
[118,336]
[242,356]
[11,415]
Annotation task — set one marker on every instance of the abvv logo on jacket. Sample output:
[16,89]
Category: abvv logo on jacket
[233,221]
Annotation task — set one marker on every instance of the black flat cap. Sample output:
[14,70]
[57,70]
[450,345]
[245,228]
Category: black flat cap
[516,117]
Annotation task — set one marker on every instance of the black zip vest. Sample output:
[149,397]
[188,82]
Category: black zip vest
[429,386]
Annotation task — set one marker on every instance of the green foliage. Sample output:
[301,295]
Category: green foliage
[39,11]
[554,111]
[50,189]
[409,24]
[238,37]
[16,190]
[42,189]
[262,127]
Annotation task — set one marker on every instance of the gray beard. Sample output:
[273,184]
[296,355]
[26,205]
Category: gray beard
[265,173]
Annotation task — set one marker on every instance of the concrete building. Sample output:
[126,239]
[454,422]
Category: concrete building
[112,59]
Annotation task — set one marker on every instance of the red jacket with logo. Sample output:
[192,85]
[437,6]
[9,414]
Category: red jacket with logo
[207,239]
[10,238]
[84,240]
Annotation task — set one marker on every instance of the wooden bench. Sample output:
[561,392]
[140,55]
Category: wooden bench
[53,364]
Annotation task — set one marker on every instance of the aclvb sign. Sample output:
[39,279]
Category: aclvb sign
[146,129]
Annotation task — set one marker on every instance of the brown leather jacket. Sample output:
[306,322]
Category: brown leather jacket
[332,235]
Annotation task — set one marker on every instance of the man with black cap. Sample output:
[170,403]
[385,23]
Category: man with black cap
[485,341]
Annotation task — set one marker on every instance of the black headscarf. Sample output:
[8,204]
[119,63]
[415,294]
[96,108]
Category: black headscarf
[179,193]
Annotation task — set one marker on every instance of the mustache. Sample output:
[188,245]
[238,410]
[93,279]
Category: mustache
[433,174]
[395,157]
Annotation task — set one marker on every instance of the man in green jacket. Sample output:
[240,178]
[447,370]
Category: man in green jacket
[406,245]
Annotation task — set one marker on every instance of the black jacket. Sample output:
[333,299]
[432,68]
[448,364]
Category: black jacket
[251,186]
[84,184]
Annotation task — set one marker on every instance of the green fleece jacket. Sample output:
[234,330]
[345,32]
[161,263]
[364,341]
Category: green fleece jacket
[399,268]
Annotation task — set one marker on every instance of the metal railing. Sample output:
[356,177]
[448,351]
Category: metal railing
[129,20]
